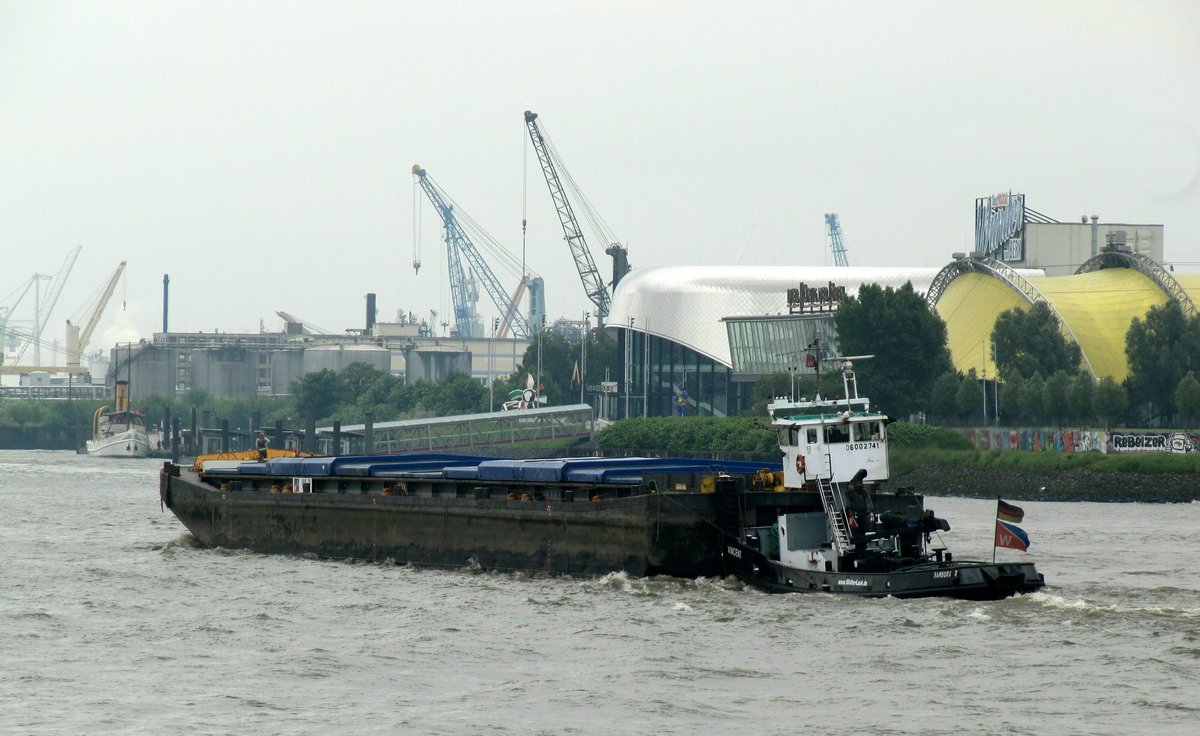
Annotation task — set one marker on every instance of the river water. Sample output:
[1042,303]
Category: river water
[112,621]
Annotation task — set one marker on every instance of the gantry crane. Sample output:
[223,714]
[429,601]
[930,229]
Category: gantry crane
[593,284]
[77,339]
[458,246]
[44,308]
[833,229]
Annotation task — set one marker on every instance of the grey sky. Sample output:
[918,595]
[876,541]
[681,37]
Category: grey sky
[260,152]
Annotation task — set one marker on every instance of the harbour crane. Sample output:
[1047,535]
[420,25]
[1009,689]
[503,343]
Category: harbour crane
[6,332]
[458,246]
[833,229]
[77,339]
[44,308]
[593,284]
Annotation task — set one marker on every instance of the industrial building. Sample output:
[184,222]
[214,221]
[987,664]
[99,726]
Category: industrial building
[243,365]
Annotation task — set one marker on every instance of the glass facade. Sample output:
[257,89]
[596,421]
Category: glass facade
[669,379]
[760,346]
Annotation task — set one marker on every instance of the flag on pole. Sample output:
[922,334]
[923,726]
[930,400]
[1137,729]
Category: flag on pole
[1008,534]
[1008,512]
[1011,536]
[575,375]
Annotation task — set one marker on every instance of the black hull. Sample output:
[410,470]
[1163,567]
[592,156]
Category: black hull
[648,534]
[967,580]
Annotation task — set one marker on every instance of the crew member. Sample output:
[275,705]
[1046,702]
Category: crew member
[261,444]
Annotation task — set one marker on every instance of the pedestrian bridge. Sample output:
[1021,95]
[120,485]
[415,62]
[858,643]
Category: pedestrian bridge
[462,433]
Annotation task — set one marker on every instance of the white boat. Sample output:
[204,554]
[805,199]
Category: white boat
[120,431]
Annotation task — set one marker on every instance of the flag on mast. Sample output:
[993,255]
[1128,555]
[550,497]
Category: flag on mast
[1008,512]
[1008,534]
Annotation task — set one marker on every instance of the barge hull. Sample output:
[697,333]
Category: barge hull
[644,534]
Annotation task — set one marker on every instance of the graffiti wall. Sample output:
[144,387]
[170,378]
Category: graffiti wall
[1082,440]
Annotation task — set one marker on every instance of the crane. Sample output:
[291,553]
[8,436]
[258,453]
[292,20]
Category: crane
[7,332]
[460,245]
[77,339]
[833,229]
[304,327]
[45,308]
[593,284]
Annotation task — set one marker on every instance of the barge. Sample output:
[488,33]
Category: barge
[819,521]
[576,516]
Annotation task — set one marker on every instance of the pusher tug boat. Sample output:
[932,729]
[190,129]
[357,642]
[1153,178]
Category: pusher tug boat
[861,540]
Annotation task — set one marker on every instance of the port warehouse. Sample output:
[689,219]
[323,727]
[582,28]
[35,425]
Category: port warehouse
[696,339]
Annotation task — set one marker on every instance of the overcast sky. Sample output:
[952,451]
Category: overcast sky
[260,152]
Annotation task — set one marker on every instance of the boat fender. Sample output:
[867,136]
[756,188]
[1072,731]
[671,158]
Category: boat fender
[224,488]
[595,499]
[526,497]
[512,496]
[287,488]
[800,464]
[274,488]
[387,490]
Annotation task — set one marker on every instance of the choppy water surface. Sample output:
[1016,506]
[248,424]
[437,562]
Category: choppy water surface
[113,621]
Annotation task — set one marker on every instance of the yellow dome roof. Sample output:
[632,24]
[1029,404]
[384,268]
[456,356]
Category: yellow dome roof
[1097,308]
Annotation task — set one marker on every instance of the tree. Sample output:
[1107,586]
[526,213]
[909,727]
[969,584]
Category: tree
[1054,397]
[1160,350]
[943,396]
[1109,400]
[1010,398]
[1187,398]
[968,399]
[907,339]
[1028,341]
[319,393]
[1031,397]
[1079,397]
[458,394]
[359,377]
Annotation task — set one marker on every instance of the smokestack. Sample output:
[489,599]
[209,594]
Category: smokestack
[370,313]
[166,301]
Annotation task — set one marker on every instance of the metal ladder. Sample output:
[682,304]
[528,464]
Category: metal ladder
[836,514]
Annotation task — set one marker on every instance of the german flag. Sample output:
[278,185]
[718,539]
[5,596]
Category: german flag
[1008,512]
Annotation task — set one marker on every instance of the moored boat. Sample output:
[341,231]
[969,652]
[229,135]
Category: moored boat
[119,431]
[860,539]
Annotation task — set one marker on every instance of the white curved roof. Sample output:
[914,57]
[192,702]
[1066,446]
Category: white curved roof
[685,304]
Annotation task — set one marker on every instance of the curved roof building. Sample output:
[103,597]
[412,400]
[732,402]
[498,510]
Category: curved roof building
[1095,306]
[687,304]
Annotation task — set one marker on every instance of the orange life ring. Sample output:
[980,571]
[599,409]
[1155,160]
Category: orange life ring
[800,464]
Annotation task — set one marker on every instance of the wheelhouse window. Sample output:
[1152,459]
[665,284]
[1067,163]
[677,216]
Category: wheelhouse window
[836,434]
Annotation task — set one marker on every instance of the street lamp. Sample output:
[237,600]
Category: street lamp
[628,364]
[537,391]
[583,354]
[491,363]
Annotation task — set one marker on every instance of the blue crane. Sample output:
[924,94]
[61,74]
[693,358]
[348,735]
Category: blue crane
[833,229]
[459,246]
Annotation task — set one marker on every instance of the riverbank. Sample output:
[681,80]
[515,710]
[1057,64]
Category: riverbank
[1051,485]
